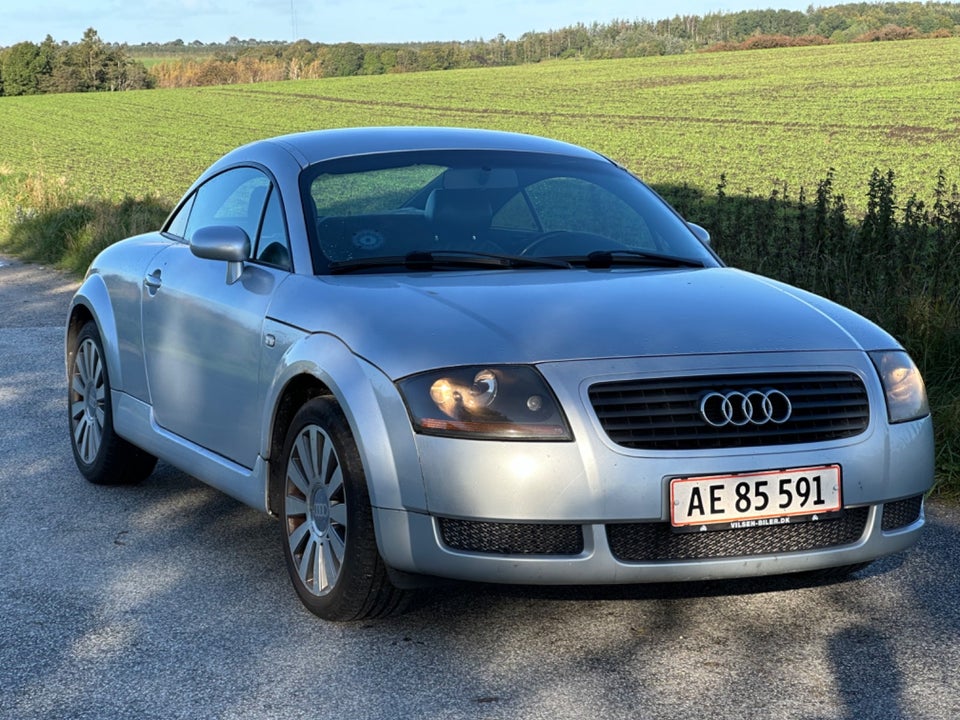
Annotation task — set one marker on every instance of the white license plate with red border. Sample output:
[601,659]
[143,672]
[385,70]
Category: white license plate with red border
[769,497]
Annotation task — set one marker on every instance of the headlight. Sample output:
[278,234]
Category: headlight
[902,384]
[503,402]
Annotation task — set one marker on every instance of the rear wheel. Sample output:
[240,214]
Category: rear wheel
[103,457]
[326,521]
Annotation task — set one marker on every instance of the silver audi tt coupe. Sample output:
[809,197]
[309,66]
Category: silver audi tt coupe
[436,352]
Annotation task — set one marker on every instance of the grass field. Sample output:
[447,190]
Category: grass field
[80,171]
[759,117]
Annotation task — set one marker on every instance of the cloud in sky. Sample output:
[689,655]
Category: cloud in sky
[330,21]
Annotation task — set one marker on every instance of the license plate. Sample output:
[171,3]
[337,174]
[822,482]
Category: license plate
[770,497]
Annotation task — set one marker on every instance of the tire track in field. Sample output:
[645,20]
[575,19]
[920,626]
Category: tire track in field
[917,133]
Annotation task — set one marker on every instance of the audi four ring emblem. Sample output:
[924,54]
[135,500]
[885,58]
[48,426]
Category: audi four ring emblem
[748,407]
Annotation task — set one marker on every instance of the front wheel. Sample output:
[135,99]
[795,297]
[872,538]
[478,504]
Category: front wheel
[102,456]
[326,521]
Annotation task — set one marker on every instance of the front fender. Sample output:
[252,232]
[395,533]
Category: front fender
[92,300]
[373,408]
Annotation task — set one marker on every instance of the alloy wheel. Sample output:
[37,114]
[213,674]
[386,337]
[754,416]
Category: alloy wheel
[87,399]
[315,510]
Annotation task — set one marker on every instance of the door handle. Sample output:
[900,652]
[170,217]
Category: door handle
[152,282]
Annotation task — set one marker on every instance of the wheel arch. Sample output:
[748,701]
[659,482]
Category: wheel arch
[79,316]
[321,364]
[92,303]
[297,392]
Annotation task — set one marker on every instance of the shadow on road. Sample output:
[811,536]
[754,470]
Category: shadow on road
[869,683]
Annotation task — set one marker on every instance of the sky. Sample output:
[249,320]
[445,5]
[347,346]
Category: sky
[332,21]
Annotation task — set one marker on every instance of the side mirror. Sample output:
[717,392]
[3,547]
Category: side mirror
[701,233]
[223,242]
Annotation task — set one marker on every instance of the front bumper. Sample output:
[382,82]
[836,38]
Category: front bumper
[417,545]
[594,512]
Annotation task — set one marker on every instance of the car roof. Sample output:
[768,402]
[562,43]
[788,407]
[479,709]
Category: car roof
[320,145]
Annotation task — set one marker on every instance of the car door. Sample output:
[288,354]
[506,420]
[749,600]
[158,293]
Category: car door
[202,336]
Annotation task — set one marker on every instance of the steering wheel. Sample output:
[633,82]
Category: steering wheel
[571,242]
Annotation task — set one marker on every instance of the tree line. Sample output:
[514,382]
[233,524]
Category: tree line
[91,64]
[246,60]
[86,66]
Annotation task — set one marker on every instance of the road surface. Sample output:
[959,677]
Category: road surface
[170,600]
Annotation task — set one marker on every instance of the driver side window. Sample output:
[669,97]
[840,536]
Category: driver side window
[235,197]
[243,197]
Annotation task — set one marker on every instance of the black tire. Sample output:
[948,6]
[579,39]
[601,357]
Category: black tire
[326,521]
[102,456]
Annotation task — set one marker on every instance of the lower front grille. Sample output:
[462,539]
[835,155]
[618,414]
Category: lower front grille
[653,542]
[656,542]
[901,513]
[511,538]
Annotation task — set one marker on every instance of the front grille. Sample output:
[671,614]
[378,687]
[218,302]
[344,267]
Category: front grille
[512,538]
[664,414]
[653,542]
[901,513]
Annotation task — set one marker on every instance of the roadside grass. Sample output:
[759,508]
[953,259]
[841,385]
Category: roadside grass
[897,266]
[945,404]
[43,219]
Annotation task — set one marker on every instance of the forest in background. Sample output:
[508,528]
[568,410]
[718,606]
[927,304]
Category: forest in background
[92,64]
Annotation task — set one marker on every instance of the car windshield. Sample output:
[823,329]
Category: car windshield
[370,212]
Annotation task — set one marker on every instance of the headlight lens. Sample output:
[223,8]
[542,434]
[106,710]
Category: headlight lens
[503,402]
[902,384]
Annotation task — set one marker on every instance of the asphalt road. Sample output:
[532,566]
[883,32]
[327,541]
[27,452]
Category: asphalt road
[170,600]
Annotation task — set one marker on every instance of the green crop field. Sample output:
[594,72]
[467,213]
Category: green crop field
[78,172]
[762,118]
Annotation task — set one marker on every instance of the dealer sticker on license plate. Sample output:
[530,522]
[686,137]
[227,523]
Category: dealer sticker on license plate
[770,497]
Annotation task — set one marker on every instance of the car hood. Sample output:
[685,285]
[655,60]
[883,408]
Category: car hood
[408,323]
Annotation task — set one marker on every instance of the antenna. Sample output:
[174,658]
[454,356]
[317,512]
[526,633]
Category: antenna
[293,22]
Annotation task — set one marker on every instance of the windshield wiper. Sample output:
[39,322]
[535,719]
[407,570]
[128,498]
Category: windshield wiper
[424,260]
[602,259]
